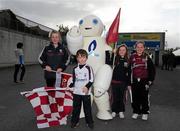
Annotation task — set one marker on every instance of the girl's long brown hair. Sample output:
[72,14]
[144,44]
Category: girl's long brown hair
[118,56]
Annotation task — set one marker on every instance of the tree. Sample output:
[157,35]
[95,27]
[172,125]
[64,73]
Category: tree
[63,31]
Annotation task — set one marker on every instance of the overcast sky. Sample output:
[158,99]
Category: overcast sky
[136,15]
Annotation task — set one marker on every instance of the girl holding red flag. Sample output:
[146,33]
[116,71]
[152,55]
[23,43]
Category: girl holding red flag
[120,81]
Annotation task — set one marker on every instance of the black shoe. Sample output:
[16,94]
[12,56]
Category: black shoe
[91,126]
[74,125]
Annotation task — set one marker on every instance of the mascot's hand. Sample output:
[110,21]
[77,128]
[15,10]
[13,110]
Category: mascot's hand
[74,39]
[74,32]
[98,92]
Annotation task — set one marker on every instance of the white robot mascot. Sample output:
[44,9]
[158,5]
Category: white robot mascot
[88,37]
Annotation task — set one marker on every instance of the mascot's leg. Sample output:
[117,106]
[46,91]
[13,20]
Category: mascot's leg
[101,97]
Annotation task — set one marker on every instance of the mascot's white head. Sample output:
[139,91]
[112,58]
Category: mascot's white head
[91,25]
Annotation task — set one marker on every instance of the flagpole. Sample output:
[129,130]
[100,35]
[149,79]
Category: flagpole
[114,54]
[115,46]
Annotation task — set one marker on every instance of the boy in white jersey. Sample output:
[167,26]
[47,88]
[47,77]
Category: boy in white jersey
[82,81]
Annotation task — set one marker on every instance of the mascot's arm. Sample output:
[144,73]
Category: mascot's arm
[74,40]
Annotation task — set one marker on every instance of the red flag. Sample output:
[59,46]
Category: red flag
[112,36]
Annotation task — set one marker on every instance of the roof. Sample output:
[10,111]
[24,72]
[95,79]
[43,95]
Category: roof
[177,52]
[12,21]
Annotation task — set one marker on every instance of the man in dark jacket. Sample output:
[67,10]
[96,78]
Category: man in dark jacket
[171,61]
[164,61]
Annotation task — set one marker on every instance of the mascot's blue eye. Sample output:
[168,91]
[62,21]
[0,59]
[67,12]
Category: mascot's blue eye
[80,22]
[95,21]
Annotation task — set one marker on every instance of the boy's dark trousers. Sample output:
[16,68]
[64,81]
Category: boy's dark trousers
[17,67]
[140,98]
[77,103]
[118,92]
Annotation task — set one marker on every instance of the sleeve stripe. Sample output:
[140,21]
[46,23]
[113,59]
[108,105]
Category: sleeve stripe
[39,59]
[91,76]
[68,60]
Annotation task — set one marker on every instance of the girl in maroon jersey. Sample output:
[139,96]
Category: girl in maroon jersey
[143,74]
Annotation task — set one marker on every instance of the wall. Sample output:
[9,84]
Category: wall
[32,47]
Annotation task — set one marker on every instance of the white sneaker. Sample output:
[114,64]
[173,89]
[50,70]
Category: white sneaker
[135,116]
[113,114]
[145,117]
[121,115]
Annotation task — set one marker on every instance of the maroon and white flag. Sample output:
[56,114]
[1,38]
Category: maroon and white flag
[51,105]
